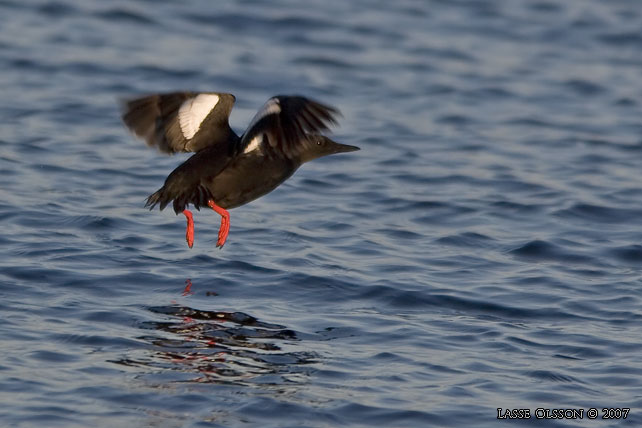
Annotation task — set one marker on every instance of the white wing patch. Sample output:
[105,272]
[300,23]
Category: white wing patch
[272,106]
[194,111]
[254,144]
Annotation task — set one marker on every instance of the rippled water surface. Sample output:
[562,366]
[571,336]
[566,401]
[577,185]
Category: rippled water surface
[483,250]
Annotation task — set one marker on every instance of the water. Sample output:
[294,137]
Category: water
[482,250]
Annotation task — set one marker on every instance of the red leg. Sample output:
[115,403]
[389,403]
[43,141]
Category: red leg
[189,233]
[225,223]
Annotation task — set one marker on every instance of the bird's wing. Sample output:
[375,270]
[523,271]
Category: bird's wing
[284,121]
[180,121]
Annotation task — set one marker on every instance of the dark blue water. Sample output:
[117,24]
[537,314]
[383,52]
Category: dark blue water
[482,250]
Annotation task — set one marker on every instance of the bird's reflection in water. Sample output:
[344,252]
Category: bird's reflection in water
[220,347]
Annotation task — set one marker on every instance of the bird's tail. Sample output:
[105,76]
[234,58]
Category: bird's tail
[158,197]
[198,196]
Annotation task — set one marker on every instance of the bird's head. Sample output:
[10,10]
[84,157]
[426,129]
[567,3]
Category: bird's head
[317,146]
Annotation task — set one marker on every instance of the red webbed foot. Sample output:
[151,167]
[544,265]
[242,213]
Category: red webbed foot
[189,233]
[225,223]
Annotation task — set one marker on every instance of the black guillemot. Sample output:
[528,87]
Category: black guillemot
[226,170]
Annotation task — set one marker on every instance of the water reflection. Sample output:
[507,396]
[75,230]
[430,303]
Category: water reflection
[220,347]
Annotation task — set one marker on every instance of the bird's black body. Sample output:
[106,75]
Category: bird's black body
[230,181]
[228,171]
[238,184]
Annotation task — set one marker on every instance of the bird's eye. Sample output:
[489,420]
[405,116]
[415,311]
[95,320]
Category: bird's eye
[318,142]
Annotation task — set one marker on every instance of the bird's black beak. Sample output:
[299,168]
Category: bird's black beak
[320,145]
[344,148]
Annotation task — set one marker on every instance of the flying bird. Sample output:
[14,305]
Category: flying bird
[227,170]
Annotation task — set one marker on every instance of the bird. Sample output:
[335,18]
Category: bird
[228,170]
